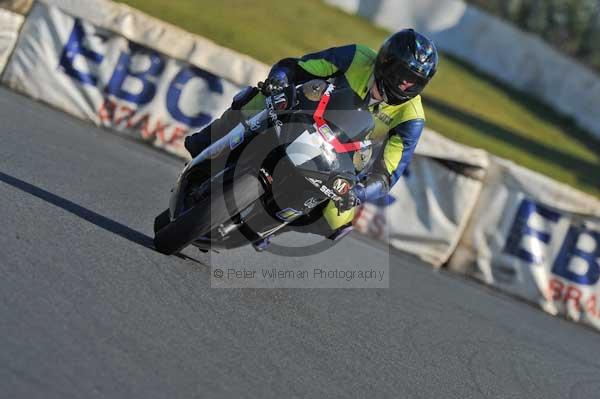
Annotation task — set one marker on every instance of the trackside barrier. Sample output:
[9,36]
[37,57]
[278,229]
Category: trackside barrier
[17,6]
[427,210]
[10,24]
[520,60]
[537,239]
[94,71]
[505,225]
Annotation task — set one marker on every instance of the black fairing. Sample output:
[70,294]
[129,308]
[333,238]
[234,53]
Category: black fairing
[289,184]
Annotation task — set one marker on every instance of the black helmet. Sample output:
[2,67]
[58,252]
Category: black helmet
[404,56]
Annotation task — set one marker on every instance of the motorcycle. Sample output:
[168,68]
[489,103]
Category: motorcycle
[278,167]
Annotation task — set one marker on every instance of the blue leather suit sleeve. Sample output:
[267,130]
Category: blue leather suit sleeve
[379,182]
[340,57]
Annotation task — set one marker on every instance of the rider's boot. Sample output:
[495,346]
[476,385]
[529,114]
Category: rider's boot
[341,232]
[262,245]
[334,235]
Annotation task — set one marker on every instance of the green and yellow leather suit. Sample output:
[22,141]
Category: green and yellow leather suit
[397,127]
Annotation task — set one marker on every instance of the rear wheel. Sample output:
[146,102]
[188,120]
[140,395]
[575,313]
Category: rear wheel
[206,215]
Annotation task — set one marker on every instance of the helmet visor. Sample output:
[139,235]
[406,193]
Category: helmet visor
[400,84]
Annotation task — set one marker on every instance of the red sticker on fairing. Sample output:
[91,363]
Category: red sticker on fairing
[341,186]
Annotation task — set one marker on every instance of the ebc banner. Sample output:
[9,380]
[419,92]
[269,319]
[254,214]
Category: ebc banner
[562,255]
[539,240]
[100,76]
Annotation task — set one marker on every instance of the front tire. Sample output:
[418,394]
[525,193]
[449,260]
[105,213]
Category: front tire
[206,215]
[161,221]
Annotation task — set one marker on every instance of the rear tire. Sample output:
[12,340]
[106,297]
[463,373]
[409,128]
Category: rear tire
[206,215]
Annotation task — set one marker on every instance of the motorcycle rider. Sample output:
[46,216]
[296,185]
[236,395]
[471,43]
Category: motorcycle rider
[389,82]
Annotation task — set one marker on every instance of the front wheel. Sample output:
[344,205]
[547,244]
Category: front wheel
[206,215]
[161,221]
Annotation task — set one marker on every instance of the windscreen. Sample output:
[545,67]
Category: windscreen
[346,117]
[345,122]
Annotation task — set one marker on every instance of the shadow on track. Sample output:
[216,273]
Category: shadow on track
[85,214]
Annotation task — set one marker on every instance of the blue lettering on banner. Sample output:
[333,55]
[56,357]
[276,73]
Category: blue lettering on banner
[570,250]
[147,77]
[75,48]
[75,52]
[521,229]
[176,88]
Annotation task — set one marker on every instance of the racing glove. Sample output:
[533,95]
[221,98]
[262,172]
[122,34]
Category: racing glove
[351,199]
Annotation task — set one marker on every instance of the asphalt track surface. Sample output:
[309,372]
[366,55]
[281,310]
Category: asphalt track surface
[89,309]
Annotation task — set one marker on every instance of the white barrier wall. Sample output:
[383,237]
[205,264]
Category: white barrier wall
[10,24]
[519,59]
[428,209]
[96,74]
[537,239]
